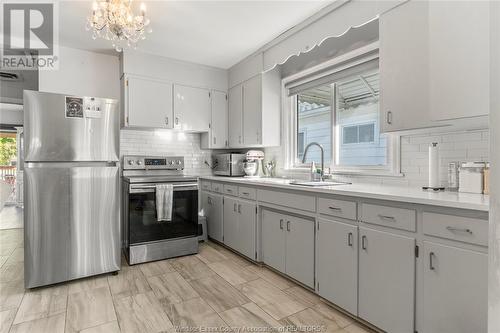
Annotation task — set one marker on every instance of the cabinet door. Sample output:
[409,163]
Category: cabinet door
[273,239]
[300,249]
[459,59]
[218,124]
[404,77]
[246,228]
[252,111]
[215,217]
[386,280]
[231,222]
[148,103]
[192,108]
[235,115]
[455,290]
[337,264]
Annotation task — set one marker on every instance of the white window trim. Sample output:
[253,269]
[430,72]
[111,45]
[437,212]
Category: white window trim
[289,112]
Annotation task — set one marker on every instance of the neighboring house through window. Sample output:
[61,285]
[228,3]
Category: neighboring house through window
[340,111]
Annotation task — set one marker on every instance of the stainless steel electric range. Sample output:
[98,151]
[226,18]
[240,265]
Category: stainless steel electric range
[144,238]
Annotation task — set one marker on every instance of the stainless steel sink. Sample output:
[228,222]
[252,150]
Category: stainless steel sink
[316,183]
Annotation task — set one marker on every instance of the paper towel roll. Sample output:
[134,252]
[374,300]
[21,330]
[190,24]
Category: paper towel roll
[434,165]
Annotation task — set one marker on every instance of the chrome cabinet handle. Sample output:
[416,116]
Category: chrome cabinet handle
[431,263]
[239,208]
[335,208]
[177,120]
[363,242]
[349,239]
[209,200]
[389,117]
[229,190]
[245,193]
[166,121]
[386,217]
[239,139]
[465,230]
[287,225]
[215,140]
[281,224]
[234,207]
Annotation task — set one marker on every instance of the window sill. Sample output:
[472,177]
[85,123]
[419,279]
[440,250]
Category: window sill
[360,173]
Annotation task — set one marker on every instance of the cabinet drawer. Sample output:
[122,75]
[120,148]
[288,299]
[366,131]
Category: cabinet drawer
[398,218]
[247,193]
[230,189]
[207,186]
[459,228]
[297,201]
[338,208]
[217,187]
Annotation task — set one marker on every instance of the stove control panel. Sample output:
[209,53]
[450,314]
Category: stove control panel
[153,162]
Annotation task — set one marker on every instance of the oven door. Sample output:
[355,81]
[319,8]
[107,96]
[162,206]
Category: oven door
[143,226]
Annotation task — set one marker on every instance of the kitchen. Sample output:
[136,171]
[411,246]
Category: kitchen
[333,171]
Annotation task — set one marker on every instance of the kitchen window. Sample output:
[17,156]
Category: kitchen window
[340,111]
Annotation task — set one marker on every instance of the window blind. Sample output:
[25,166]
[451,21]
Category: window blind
[330,75]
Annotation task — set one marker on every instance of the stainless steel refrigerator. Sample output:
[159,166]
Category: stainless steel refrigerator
[71,187]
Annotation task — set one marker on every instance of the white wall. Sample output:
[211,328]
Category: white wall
[173,70]
[83,73]
[494,231]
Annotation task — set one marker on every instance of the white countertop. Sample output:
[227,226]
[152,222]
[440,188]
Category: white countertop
[375,191]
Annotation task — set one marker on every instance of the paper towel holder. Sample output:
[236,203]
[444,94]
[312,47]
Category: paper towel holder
[433,154]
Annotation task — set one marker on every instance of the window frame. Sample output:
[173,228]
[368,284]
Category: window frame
[290,120]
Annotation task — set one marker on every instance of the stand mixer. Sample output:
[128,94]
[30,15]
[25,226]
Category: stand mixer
[254,164]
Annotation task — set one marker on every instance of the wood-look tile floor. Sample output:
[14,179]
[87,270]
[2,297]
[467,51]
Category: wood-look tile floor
[214,289]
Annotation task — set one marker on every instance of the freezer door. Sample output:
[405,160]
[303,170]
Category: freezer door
[72,226]
[68,128]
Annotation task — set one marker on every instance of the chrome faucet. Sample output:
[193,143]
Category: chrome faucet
[322,157]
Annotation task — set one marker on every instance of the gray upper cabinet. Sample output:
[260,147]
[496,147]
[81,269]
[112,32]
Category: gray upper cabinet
[337,264]
[459,59]
[192,108]
[455,290]
[217,136]
[235,116]
[386,280]
[404,78]
[147,103]
[254,111]
[434,63]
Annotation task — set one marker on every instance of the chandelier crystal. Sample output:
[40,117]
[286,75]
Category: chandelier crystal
[115,21]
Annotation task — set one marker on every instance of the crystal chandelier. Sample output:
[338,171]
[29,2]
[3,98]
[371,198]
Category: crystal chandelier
[114,20]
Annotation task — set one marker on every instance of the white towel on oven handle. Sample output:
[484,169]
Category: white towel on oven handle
[164,198]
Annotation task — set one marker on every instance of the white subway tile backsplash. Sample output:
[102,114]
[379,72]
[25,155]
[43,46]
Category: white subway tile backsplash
[163,143]
[454,147]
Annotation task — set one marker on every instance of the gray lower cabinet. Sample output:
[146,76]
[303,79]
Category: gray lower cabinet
[240,218]
[231,222]
[455,289]
[288,245]
[212,205]
[386,280]
[273,239]
[337,264]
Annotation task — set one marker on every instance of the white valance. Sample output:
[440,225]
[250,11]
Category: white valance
[349,15]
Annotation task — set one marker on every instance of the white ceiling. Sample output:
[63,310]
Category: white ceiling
[215,33]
